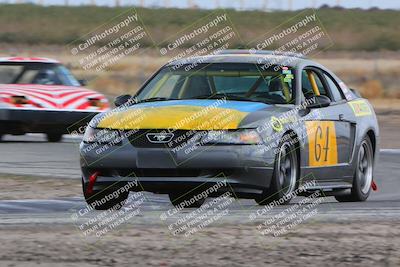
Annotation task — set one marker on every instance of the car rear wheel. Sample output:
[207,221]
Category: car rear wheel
[54,137]
[363,174]
[105,200]
[285,176]
[188,200]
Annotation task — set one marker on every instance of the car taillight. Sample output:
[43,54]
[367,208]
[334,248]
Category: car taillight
[19,100]
[95,102]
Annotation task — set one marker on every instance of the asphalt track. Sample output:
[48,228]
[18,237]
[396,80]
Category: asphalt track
[32,155]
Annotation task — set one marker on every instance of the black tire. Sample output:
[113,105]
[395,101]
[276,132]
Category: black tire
[362,175]
[1,137]
[186,200]
[281,190]
[54,137]
[96,199]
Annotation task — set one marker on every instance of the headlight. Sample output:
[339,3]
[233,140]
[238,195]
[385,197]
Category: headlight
[244,137]
[103,136]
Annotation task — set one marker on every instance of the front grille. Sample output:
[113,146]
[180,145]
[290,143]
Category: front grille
[180,138]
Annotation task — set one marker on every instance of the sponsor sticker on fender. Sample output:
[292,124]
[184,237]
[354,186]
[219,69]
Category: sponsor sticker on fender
[360,108]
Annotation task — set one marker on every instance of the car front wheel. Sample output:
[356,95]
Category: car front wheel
[285,176]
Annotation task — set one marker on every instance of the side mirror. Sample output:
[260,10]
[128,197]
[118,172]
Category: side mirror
[318,101]
[83,82]
[122,99]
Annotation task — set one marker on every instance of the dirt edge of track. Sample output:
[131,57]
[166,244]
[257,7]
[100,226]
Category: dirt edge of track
[311,244]
[17,187]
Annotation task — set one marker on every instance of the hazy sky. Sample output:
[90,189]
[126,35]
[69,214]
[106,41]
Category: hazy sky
[246,4]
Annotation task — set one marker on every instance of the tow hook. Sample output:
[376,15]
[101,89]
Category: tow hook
[374,186]
[92,181]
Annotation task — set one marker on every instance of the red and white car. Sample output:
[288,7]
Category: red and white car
[40,95]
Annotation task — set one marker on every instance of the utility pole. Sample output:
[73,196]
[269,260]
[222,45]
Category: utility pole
[241,5]
[265,5]
[191,4]
[290,4]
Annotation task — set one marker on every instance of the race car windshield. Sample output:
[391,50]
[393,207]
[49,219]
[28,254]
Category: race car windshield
[36,73]
[234,81]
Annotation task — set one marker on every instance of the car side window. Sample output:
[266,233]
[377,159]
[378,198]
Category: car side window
[307,80]
[335,91]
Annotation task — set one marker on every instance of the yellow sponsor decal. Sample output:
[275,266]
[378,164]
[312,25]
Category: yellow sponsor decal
[360,108]
[276,124]
[174,117]
[322,143]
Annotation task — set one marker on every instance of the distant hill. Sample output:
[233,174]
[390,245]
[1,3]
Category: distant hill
[369,30]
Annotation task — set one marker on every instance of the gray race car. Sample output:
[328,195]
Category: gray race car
[257,124]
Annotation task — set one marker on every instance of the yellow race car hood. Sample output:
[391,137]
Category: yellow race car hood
[218,114]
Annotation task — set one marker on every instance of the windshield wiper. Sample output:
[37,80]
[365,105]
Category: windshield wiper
[227,96]
[214,96]
[154,99]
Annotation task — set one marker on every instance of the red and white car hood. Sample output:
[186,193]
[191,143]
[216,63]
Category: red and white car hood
[53,97]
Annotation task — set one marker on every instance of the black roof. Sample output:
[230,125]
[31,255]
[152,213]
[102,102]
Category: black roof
[246,56]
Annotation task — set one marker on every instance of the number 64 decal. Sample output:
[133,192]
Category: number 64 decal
[322,145]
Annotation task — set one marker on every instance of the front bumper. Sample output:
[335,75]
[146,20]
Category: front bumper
[246,169]
[20,121]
